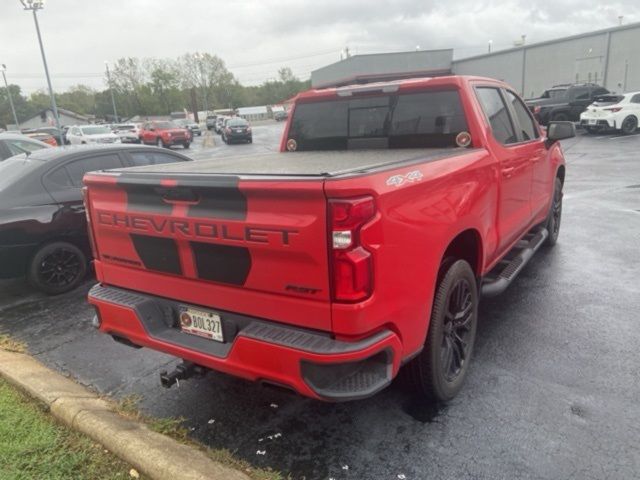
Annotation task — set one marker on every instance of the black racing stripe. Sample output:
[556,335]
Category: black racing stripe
[145,198]
[223,203]
[157,253]
[221,263]
[217,196]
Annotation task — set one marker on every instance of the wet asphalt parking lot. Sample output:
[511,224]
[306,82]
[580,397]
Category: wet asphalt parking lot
[553,390]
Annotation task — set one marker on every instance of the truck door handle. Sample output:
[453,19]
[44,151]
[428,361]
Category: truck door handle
[508,171]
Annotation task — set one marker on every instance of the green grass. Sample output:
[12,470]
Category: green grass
[33,446]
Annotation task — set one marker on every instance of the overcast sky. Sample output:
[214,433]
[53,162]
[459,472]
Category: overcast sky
[256,37]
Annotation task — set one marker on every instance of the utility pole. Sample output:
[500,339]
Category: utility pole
[34,6]
[113,100]
[489,46]
[13,110]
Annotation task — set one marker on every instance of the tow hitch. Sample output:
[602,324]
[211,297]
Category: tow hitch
[183,371]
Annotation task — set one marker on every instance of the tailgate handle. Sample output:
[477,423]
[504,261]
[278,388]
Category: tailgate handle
[178,194]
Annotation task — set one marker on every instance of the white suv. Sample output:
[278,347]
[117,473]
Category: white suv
[78,135]
[613,111]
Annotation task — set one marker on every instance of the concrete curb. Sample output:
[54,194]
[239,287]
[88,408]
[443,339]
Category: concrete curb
[153,454]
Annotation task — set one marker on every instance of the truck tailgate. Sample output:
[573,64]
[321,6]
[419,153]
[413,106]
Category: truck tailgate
[252,247]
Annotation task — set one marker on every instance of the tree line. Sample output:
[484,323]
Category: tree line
[155,86]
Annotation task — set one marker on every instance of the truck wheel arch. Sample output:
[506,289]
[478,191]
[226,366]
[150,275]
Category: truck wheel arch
[467,245]
[560,173]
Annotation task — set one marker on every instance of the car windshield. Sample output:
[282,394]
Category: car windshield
[14,168]
[95,130]
[237,122]
[418,120]
[163,125]
[556,93]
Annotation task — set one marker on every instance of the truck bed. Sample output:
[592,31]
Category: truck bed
[315,164]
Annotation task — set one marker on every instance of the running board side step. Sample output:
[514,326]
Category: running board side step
[509,268]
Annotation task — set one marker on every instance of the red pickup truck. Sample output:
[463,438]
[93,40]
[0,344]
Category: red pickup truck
[362,247]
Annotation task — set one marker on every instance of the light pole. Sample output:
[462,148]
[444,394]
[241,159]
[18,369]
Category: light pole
[13,110]
[198,58]
[34,6]
[113,100]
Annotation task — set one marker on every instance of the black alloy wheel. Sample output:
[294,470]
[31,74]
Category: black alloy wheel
[629,125]
[57,268]
[455,346]
[437,374]
[555,214]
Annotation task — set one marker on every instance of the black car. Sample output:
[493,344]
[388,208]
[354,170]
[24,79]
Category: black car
[43,229]
[237,129]
[564,102]
[14,144]
[280,116]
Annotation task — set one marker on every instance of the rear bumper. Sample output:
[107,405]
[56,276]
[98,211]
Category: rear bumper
[309,362]
[601,123]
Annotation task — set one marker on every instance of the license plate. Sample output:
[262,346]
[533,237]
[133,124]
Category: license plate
[201,323]
[592,121]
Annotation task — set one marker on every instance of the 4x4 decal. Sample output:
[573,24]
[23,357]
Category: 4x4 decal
[397,180]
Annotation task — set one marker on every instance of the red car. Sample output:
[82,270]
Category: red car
[165,134]
[362,247]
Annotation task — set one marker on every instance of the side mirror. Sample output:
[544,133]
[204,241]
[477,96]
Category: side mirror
[152,129]
[560,131]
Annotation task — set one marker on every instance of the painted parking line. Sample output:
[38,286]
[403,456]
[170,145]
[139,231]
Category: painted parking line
[623,136]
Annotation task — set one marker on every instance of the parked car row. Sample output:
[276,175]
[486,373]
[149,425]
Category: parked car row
[594,107]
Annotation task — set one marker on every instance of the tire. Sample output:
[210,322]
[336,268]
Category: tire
[560,117]
[186,145]
[437,374]
[57,267]
[159,142]
[592,130]
[629,125]
[555,214]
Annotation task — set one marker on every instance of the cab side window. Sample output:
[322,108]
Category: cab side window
[496,112]
[528,129]
[581,93]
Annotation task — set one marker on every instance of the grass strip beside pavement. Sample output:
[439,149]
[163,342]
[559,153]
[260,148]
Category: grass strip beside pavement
[33,446]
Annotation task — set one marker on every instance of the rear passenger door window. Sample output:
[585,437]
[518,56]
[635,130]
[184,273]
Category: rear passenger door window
[497,114]
[527,127]
[78,168]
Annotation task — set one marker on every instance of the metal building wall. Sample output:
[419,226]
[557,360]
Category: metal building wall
[608,57]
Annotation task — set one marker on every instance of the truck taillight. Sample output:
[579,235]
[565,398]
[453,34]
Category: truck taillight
[87,212]
[352,265]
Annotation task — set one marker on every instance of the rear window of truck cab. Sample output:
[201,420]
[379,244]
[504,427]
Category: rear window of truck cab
[412,120]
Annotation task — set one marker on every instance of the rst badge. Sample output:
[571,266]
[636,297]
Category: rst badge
[397,180]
